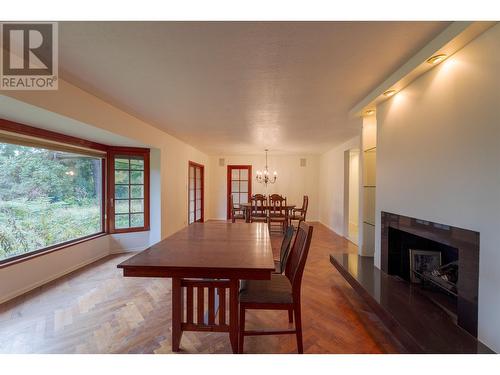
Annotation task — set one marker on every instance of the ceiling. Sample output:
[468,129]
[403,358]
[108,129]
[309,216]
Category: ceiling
[240,87]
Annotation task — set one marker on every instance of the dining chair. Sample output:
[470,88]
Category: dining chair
[277,212]
[300,213]
[258,208]
[236,211]
[279,265]
[282,292]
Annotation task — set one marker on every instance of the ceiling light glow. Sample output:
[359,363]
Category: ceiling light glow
[436,59]
[390,93]
[370,112]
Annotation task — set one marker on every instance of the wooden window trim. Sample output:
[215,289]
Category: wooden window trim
[127,151]
[48,135]
[229,179]
[202,167]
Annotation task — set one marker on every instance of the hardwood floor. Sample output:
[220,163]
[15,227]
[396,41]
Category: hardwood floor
[97,310]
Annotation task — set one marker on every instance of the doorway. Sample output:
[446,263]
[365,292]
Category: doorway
[196,193]
[351,195]
[239,185]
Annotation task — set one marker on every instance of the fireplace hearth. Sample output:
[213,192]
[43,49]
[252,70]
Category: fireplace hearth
[439,261]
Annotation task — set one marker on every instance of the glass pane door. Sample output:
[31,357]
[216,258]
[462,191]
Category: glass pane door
[239,185]
[195,193]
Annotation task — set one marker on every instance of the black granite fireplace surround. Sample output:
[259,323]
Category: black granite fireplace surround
[401,233]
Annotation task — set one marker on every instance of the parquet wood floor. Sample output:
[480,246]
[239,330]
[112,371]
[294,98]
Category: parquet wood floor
[97,310]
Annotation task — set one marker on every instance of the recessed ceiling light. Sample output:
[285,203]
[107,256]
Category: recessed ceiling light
[436,59]
[370,112]
[389,93]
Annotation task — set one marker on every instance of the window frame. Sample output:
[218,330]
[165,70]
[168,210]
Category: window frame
[107,151]
[127,151]
[229,187]
[202,175]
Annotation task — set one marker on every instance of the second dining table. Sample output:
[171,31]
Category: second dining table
[248,206]
[209,257]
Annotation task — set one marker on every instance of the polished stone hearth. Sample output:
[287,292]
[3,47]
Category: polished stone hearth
[421,325]
[425,318]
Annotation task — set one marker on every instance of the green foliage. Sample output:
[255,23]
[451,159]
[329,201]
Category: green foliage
[46,197]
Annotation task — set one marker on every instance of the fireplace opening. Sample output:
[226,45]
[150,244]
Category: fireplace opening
[438,260]
[430,266]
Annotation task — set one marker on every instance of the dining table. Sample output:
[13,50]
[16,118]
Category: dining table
[207,259]
[247,207]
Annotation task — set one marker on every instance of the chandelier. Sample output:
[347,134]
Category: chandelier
[263,177]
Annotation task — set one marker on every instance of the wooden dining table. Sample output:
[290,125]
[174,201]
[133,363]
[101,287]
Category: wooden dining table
[209,259]
[248,206]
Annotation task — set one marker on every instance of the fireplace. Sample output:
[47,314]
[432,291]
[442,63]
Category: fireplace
[439,261]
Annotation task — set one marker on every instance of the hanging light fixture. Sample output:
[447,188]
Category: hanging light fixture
[263,177]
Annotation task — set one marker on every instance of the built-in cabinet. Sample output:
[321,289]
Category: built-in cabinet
[369,183]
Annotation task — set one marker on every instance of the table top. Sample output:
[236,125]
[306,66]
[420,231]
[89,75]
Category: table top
[288,206]
[211,249]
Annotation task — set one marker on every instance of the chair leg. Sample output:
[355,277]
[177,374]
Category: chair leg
[233,218]
[290,315]
[298,327]
[242,330]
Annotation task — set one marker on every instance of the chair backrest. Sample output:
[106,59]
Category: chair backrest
[231,202]
[298,255]
[285,247]
[305,203]
[277,204]
[259,203]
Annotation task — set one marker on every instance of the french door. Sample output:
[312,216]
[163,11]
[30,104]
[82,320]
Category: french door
[239,185]
[196,192]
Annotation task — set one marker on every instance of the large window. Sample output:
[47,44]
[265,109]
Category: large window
[47,197]
[56,190]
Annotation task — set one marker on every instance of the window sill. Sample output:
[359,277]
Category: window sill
[24,257]
[130,230]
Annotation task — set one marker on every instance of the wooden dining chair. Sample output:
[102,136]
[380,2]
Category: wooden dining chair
[277,212]
[299,214]
[258,208]
[205,306]
[282,292]
[236,211]
[284,250]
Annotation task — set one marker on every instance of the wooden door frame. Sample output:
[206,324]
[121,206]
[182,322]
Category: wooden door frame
[202,167]
[229,170]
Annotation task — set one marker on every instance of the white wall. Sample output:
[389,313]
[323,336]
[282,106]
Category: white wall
[75,112]
[293,180]
[353,214]
[438,155]
[331,186]
[22,277]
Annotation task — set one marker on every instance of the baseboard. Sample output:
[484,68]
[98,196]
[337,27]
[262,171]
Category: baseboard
[333,230]
[351,240]
[129,250]
[37,284]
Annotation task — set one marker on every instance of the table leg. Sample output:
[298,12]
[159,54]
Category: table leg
[247,215]
[234,325]
[177,304]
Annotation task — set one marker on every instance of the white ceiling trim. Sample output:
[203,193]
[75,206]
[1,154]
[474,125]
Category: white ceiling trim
[449,41]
